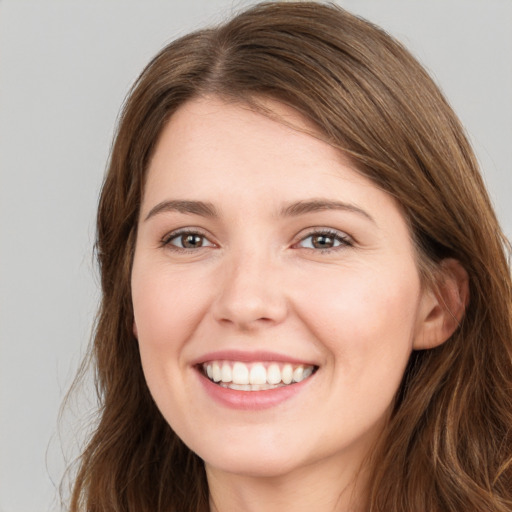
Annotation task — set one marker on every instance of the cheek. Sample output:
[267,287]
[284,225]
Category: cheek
[367,327]
[365,318]
[166,307]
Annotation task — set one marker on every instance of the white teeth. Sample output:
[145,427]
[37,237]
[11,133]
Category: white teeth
[226,373]
[298,374]
[307,372]
[273,374]
[287,374]
[240,373]
[216,373]
[258,374]
[239,387]
[249,387]
[255,376]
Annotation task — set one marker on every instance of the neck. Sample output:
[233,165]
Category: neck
[308,488]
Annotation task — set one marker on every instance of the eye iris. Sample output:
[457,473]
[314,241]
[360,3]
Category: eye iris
[191,241]
[322,241]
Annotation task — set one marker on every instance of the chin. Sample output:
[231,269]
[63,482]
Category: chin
[251,458]
[258,467]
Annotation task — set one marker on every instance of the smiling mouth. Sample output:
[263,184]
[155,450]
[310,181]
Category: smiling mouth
[257,376]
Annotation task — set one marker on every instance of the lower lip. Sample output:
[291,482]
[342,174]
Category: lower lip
[251,400]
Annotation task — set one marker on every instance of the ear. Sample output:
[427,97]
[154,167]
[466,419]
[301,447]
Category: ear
[442,308]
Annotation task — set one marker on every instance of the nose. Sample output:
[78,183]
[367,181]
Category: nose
[251,293]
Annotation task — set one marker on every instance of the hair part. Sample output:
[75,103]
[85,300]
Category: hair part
[448,445]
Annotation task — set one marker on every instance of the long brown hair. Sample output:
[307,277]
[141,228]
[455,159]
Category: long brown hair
[448,445]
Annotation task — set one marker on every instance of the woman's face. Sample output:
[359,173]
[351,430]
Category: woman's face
[265,262]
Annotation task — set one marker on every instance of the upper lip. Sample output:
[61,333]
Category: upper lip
[249,357]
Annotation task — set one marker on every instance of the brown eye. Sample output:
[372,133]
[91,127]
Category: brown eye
[322,241]
[187,240]
[325,240]
[191,241]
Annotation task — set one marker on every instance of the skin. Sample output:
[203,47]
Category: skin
[255,281]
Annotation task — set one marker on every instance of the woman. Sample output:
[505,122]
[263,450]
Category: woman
[306,298]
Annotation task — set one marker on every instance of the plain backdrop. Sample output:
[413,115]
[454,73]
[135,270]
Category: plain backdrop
[65,68]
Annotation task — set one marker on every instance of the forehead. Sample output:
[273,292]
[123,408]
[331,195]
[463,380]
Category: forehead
[208,142]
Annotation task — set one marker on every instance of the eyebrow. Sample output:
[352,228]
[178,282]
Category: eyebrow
[294,209]
[191,207]
[315,205]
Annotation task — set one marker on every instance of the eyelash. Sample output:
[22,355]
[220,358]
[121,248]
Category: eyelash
[337,236]
[167,240]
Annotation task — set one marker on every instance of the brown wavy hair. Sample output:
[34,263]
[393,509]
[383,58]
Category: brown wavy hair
[448,445]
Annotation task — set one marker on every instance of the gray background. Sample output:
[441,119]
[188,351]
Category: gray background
[65,67]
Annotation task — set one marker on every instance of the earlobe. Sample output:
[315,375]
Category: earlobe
[442,308]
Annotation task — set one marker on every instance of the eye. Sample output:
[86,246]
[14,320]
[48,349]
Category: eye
[186,240]
[325,240]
